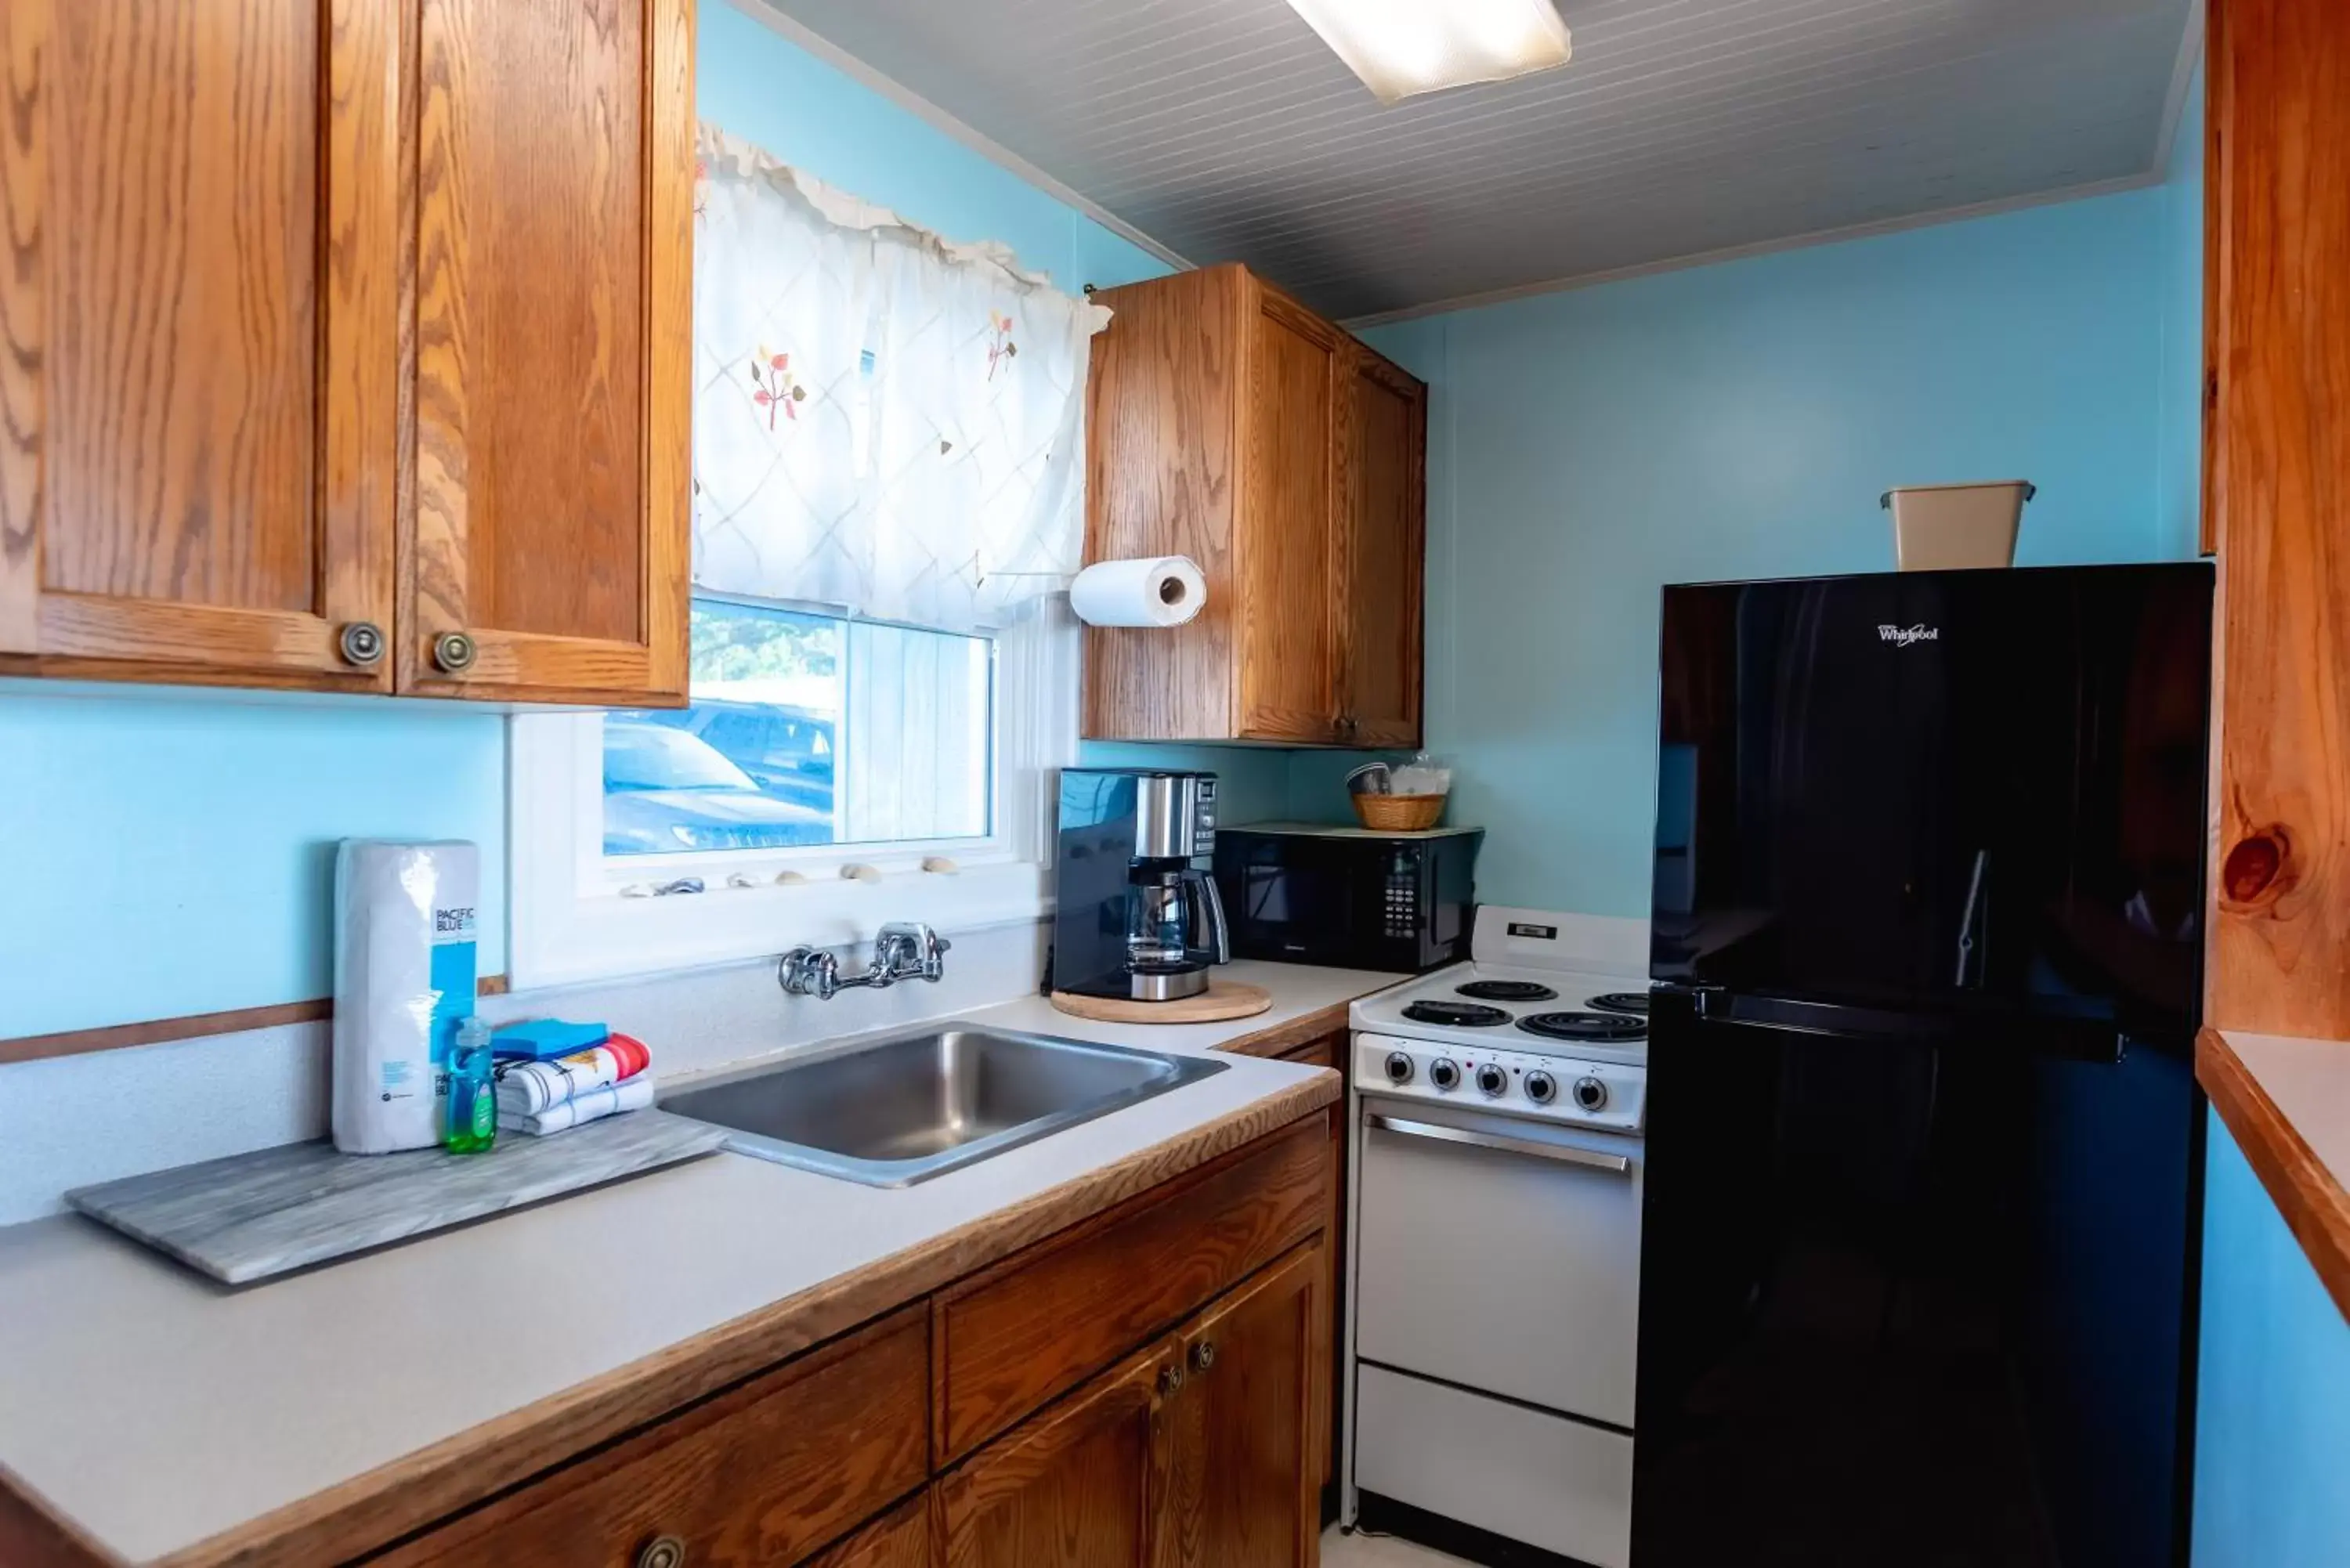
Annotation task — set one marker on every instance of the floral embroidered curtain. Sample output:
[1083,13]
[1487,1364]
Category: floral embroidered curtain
[883,421]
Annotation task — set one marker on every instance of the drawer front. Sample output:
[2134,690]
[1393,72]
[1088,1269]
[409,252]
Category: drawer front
[1042,1320]
[765,1473]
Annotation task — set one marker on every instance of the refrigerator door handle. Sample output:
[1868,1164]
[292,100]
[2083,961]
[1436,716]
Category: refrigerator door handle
[1969,975]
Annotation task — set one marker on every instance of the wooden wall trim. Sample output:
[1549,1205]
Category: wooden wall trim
[2280,473]
[2311,1199]
[191,1026]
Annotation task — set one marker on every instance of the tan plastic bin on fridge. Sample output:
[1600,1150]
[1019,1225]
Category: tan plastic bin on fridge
[1946,527]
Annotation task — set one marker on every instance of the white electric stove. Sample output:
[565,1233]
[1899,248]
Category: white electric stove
[1495,1245]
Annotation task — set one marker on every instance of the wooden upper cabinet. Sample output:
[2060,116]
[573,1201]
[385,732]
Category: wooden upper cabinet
[334,327]
[1386,527]
[199,340]
[548,538]
[1290,557]
[1229,424]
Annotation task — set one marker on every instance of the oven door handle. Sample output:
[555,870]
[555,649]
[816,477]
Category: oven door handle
[1561,1153]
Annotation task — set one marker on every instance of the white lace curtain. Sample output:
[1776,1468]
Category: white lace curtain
[883,421]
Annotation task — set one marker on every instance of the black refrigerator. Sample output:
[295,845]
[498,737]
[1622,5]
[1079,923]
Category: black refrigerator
[1919,1247]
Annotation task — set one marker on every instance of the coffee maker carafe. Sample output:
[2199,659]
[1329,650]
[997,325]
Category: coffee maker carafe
[1139,917]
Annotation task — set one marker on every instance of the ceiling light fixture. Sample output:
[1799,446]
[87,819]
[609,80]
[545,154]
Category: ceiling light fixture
[1403,48]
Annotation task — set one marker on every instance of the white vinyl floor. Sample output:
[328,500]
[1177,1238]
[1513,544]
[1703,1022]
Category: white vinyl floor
[1342,1551]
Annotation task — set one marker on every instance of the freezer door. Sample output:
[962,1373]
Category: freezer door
[1959,792]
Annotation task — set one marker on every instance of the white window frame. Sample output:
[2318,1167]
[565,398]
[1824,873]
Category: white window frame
[578,916]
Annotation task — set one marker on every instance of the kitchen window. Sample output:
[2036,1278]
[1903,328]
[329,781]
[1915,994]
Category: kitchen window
[805,731]
[888,456]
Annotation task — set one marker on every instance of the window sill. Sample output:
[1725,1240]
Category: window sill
[609,937]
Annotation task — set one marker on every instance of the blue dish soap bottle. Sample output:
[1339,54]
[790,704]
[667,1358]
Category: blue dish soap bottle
[472,1124]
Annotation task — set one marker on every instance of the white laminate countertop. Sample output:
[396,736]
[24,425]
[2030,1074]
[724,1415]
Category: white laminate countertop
[153,1409]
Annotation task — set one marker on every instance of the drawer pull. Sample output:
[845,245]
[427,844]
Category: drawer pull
[1203,1356]
[362,644]
[454,652]
[662,1551]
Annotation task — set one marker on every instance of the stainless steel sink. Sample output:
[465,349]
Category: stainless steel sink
[894,1112]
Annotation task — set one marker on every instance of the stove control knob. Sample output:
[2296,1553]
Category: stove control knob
[1493,1081]
[1590,1094]
[1398,1067]
[1541,1088]
[1444,1073]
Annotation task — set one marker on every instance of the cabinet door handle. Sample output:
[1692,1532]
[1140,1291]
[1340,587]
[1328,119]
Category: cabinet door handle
[362,643]
[1203,1356]
[454,652]
[662,1551]
[1170,1379]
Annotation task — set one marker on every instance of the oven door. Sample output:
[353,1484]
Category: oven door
[1500,1254]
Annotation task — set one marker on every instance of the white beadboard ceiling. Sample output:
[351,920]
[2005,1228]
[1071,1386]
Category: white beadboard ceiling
[1224,130]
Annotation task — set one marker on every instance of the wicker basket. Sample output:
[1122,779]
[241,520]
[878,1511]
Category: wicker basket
[1399,813]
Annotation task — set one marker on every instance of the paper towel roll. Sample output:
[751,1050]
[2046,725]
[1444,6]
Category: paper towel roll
[1159,590]
[405,926]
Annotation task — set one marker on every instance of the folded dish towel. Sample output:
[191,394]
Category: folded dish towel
[528,1088]
[632,1094]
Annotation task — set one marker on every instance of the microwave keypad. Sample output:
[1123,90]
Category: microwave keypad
[1403,882]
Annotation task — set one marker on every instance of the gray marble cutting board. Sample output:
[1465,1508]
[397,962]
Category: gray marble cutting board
[251,1216]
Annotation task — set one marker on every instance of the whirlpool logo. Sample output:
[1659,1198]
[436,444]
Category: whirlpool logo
[1903,636]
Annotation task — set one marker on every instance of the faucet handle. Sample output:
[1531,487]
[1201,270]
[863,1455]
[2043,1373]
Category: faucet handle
[807,970]
[906,948]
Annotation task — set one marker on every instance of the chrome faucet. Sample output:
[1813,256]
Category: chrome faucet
[905,949]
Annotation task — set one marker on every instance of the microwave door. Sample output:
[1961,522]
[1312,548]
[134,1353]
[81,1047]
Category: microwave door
[1297,903]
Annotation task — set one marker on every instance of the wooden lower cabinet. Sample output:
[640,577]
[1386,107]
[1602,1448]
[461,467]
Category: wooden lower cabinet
[898,1539]
[1080,1486]
[1252,1434]
[766,1473]
[1332,1050]
[1206,1449]
[1148,1388]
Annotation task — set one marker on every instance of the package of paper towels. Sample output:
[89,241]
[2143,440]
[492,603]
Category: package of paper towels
[404,976]
[1157,590]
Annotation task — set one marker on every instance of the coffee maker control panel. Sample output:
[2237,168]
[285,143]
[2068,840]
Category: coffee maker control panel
[1203,817]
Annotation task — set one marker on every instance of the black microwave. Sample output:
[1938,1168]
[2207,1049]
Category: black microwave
[1348,898]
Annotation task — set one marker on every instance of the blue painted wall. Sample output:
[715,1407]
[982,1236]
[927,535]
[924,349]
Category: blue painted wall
[174,854]
[1741,420]
[177,845]
[2178,503]
[2273,1459]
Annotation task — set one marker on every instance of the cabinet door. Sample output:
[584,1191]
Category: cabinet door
[1287,547]
[554,202]
[1385,479]
[198,331]
[1252,1422]
[1081,1485]
[898,1539]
